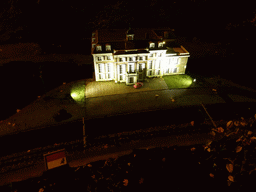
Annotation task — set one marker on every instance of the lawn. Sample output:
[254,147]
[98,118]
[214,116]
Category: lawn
[178,81]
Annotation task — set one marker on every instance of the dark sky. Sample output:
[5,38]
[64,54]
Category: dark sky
[65,21]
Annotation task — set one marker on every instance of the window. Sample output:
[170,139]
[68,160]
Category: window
[129,37]
[93,34]
[93,39]
[157,72]
[108,48]
[152,45]
[99,58]
[109,57]
[93,45]
[131,68]
[167,70]
[121,59]
[151,55]
[150,65]
[131,79]
[158,64]
[140,67]
[108,68]
[174,70]
[98,48]
[150,73]
[101,68]
[160,44]
[131,58]
[141,58]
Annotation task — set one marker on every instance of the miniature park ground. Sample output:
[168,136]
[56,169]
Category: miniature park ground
[220,165]
[227,164]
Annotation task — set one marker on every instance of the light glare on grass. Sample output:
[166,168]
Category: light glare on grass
[73,95]
[78,92]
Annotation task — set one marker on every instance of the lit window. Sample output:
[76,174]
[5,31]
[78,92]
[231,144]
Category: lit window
[101,68]
[150,65]
[157,64]
[160,44]
[130,37]
[98,48]
[108,48]
[152,45]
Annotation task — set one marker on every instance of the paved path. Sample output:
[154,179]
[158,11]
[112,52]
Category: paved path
[97,89]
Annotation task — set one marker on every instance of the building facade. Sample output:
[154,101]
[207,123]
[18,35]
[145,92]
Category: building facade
[132,55]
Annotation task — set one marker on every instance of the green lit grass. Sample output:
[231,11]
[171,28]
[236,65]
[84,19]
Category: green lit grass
[178,81]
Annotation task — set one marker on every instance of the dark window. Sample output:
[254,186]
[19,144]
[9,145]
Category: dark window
[140,68]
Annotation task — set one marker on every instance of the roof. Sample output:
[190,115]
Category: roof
[115,35]
[126,45]
[123,52]
[142,36]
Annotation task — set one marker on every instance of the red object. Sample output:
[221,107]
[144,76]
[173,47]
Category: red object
[138,85]
[55,156]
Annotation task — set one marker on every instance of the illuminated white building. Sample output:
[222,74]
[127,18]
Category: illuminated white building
[132,55]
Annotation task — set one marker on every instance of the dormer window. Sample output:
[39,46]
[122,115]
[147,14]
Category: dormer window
[108,48]
[130,37]
[160,44]
[98,48]
[152,45]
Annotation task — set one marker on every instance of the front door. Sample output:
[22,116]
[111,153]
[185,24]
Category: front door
[141,67]
[121,72]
